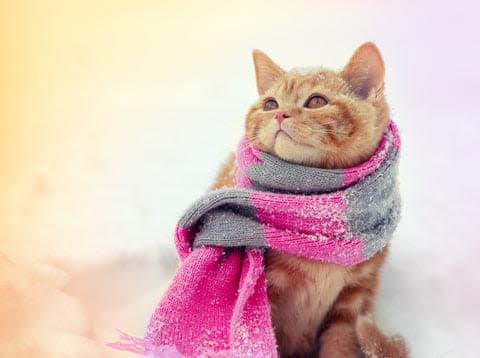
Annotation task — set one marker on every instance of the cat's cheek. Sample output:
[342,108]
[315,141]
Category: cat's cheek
[266,135]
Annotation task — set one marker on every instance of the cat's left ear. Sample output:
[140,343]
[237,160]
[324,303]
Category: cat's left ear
[266,71]
[365,71]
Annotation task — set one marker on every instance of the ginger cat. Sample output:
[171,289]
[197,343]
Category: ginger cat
[331,120]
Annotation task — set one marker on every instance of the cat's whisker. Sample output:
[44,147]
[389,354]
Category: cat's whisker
[328,131]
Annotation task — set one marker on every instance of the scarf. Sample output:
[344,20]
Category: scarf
[217,304]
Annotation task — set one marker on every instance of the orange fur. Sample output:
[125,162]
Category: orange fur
[375,344]
[316,306]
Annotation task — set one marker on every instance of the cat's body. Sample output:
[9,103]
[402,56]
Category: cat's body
[331,120]
[314,302]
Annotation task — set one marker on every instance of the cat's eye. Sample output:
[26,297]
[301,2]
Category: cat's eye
[316,101]
[270,104]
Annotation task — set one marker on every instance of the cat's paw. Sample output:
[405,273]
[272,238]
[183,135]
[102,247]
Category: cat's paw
[375,344]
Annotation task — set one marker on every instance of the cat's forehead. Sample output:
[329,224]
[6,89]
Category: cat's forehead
[305,79]
[308,71]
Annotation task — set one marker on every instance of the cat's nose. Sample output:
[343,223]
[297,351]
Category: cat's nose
[281,115]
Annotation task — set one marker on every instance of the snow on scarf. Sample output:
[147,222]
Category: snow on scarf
[217,304]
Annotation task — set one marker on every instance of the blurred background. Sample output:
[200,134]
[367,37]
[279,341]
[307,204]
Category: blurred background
[116,115]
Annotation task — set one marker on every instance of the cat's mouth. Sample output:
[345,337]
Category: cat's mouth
[282,133]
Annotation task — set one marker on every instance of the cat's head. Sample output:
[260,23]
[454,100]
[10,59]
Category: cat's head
[320,118]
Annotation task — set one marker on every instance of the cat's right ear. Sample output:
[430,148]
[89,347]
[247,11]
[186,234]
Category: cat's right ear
[266,71]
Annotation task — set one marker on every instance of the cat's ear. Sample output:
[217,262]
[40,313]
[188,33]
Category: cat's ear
[266,71]
[365,71]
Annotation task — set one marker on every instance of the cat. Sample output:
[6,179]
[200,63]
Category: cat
[328,120]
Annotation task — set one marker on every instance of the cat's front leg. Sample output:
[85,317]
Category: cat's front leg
[339,336]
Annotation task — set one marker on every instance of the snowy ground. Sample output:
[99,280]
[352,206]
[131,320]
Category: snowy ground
[113,128]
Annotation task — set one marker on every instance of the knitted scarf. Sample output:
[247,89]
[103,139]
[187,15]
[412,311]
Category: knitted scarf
[217,304]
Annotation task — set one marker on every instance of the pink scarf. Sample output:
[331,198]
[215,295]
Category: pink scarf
[217,304]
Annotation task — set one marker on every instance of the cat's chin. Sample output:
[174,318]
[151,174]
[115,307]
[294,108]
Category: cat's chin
[286,148]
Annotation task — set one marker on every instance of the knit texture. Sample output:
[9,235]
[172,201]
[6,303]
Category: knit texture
[217,304]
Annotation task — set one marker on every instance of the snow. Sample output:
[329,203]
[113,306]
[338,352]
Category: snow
[114,129]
